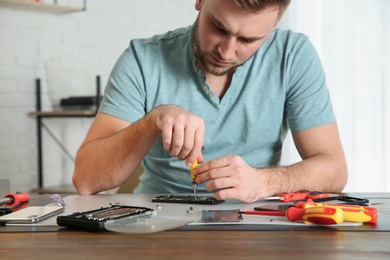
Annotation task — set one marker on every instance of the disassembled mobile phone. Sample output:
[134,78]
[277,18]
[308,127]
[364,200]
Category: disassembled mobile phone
[31,215]
[94,220]
[190,199]
[216,216]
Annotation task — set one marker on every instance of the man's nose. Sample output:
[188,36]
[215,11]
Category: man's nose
[227,48]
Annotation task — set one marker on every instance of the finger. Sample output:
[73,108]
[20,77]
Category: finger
[196,151]
[225,194]
[221,194]
[167,133]
[177,140]
[218,184]
[188,143]
[213,169]
[234,193]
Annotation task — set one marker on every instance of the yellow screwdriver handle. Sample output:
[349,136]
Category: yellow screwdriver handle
[193,166]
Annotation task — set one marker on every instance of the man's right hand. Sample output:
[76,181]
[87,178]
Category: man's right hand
[182,132]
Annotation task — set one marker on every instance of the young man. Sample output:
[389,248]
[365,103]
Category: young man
[223,92]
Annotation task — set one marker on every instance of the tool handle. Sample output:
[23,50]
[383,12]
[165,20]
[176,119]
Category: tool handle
[193,166]
[352,213]
[359,215]
[316,215]
[287,197]
[303,195]
[16,198]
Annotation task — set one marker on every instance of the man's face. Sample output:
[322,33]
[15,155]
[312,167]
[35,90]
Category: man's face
[226,36]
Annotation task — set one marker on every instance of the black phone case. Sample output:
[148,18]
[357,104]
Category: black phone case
[94,220]
[189,199]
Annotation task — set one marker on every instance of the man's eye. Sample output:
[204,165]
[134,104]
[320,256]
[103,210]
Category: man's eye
[246,40]
[222,31]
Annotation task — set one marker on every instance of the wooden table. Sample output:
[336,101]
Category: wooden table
[202,244]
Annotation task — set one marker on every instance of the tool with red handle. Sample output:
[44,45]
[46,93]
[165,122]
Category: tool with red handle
[352,213]
[14,199]
[299,195]
[316,215]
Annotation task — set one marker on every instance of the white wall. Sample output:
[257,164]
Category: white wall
[97,36]
[353,41]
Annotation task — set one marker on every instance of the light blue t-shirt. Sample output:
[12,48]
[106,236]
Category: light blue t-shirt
[282,86]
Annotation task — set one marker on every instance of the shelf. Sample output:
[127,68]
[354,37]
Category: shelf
[40,7]
[40,115]
[64,113]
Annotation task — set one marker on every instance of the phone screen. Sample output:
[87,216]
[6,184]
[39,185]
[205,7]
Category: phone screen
[216,216]
[31,214]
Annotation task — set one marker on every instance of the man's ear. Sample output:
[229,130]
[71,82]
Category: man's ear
[198,4]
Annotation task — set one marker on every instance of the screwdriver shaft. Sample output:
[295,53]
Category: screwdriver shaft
[195,186]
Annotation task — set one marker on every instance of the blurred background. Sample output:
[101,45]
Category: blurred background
[66,48]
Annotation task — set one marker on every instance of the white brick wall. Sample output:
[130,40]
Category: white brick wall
[97,36]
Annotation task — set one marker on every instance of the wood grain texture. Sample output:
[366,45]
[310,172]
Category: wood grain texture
[198,244]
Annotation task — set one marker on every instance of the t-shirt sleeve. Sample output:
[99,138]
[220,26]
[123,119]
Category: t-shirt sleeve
[307,101]
[124,95]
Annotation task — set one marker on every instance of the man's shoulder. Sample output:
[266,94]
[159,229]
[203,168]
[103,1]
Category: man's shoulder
[170,37]
[286,42]
[283,36]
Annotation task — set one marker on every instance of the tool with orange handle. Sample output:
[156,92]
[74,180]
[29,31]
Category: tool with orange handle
[352,213]
[316,215]
[14,199]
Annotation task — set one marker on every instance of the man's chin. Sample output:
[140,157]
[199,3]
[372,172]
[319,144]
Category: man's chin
[220,71]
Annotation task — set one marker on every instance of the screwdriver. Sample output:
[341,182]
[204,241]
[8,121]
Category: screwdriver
[315,215]
[352,213]
[194,184]
[13,199]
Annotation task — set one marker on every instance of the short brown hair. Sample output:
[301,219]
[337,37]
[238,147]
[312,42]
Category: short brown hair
[259,5]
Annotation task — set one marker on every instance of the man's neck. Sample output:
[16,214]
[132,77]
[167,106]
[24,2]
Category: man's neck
[219,84]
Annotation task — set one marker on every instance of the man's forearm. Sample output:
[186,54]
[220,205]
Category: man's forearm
[106,163]
[323,172]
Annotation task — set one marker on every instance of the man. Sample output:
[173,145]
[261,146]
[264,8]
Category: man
[222,92]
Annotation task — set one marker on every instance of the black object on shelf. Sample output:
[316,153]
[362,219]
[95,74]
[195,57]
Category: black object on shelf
[80,103]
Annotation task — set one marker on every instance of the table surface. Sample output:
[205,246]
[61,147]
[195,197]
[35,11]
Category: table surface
[318,244]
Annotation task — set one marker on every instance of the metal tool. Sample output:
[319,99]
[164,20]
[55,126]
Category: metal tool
[276,206]
[318,196]
[14,199]
[194,184]
[264,212]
